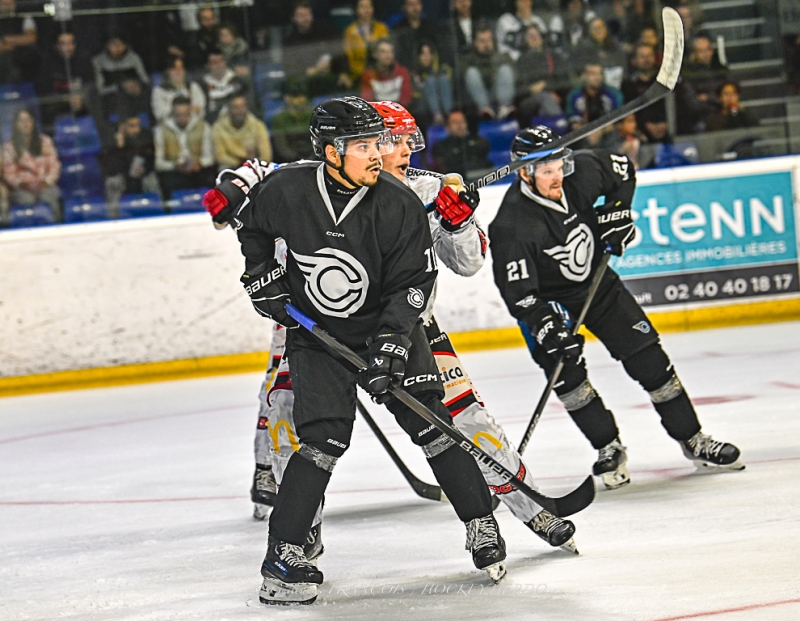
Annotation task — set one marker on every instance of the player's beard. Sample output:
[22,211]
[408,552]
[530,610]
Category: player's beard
[369,177]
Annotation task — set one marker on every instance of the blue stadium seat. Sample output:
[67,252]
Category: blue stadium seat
[85,210]
[557,123]
[140,205]
[678,154]
[498,133]
[76,137]
[81,178]
[268,79]
[435,134]
[187,201]
[12,98]
[271,108]
[37,215]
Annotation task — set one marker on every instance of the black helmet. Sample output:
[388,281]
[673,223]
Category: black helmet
[336,120]
[536,139]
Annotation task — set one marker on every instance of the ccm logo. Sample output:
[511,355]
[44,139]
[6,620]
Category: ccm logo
[265,280]
[625,214]
[334,234]
[419,379]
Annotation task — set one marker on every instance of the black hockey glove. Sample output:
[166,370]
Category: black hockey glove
[386,363]
[616,227]
[557,339]
[269,293]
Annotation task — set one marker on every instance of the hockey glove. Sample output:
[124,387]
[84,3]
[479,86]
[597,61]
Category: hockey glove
[269,293]
[616,227]
[223,201]
[388,354]
[558,340]
[455,208]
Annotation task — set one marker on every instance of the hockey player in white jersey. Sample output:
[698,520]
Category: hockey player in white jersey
[460,244]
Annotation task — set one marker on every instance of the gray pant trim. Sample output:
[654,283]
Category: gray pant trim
[321,460]
[438,446]
[578,398]
[668,391]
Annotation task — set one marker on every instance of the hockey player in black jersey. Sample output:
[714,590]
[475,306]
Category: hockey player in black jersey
[546,242]
[359,263]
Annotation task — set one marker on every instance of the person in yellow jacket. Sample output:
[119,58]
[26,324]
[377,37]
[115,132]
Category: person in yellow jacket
[239,136]
[360,36]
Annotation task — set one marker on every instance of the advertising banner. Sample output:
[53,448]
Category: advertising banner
[712,239]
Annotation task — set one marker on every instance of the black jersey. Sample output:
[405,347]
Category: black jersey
[366,271]
[544,250]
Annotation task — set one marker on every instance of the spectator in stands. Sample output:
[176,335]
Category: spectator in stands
[705,74]
[204,39]
[460,151]
[463,25]
[731,115]
[62,92]
[361,36]
[433,86]
[31,167]
[117,64]
[489,71]
[625,20]
[221,84]
[649,36]
[626,139]
[129,163]
[414,30]
[176,84]
[539,72]
[184,153]
[601,47]
[652,120]
[510,30]
[593,99]
[18,37]
[568,28]
[290,126]
[692,17]
[233,47]
[239,136]
[388,80]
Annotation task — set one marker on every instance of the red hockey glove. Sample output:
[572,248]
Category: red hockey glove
[455,209]
[223,201]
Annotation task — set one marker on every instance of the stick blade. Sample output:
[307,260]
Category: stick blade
[577,500]
[673,48]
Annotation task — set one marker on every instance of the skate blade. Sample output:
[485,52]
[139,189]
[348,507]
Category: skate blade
[570,546]
[619,478]
[736,466]
[274,591]
[261,512]
[497,571]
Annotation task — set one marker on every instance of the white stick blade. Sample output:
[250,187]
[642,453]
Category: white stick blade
[673,48]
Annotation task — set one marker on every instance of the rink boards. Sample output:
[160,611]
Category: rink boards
[139,300]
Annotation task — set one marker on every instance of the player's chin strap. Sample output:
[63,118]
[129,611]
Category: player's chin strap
[340,170]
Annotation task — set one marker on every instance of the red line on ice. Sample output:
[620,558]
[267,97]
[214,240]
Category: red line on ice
[713,613]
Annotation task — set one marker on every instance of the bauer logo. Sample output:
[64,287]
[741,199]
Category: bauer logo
[642,327]
[416,298]
[575,256]
[336,283]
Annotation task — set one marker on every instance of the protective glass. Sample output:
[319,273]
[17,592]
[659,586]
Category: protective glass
[365,146]
[565,156]
[414,141]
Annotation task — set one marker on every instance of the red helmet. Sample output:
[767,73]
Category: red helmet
[399,122]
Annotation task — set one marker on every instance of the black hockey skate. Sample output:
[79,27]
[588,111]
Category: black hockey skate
[706,452]
[487,546]
[288,576]
[313,547]
[263,491]
[554,531]
[610,465]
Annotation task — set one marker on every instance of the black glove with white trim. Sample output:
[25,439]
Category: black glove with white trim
[616,227]
[269,293]
[386,363]
[557,339]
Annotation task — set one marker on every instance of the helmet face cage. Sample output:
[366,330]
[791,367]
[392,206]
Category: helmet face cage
[401,123]
[414,139]
[384,144]
[561,154]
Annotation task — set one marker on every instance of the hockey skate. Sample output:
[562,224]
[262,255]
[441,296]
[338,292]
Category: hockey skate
[288,576]
[706,452]
[487,546]
[313,547]
[610,465]
[263,491]
[554,531]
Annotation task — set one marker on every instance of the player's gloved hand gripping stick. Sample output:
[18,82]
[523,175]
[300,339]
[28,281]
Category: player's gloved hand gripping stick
[575,501]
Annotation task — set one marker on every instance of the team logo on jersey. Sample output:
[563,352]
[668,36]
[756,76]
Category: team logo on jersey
[575,257]
[642,327]
[336,283]
[416,298]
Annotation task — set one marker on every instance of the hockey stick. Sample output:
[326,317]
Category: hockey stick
[537,413]
[575,501]
[425,490]
[665,83]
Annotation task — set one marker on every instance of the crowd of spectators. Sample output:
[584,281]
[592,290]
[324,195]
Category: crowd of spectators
[184,98]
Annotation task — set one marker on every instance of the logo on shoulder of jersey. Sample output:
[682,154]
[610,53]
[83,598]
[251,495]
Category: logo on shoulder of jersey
[336,283]
[575,256]
[642,327]
[416,298]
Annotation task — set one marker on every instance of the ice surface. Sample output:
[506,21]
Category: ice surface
[131,503]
